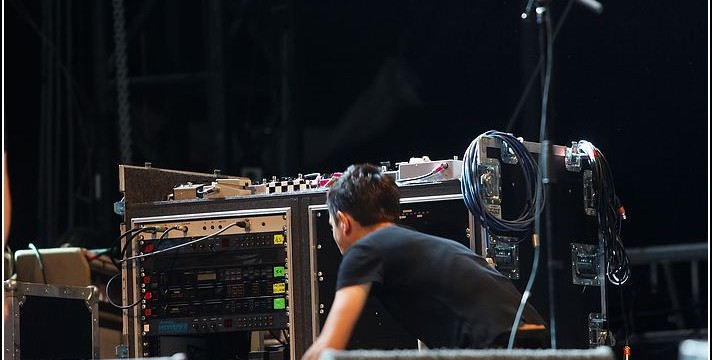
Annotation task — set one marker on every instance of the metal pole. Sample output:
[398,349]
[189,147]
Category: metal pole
[122,82]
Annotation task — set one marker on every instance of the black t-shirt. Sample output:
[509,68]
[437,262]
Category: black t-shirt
[439,290]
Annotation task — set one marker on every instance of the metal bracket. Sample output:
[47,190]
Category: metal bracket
[490,180]
[91,299]
[573,157]
[589,194]
[122,351]
[598,334]
[504,251]
[508,155]
[584,265]
[120,207]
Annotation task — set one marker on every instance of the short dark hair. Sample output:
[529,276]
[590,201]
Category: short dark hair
[366,194]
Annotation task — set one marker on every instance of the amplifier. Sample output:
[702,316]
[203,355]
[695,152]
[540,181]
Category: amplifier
[204,278]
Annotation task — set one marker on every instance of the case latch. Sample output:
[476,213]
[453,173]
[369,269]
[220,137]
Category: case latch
[504,250]
[598,334]
[584,265]
[573,157]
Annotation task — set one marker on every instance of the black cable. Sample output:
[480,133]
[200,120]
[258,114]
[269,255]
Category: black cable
[117,244]
[525,297]
[609,215]
[133,232]
[39,261]
[473,194]
[108,295]
[165,233]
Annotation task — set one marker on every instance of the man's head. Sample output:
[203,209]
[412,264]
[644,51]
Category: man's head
[362,197]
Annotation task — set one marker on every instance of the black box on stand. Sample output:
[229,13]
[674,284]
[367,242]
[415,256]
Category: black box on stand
[570,290]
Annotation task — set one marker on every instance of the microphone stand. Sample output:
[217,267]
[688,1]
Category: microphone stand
[545,237]
[543,19]
[546,40]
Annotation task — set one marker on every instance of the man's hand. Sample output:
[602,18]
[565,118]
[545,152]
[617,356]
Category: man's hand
[314,351]
[345,310]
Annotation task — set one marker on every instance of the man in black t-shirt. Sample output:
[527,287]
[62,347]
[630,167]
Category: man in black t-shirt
[439,290]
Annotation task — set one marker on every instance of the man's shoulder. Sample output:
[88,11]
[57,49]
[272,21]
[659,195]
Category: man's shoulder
[397,238]
[392,232]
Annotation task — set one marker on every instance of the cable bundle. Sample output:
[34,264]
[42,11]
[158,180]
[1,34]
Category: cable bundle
[610,214]
[472,192]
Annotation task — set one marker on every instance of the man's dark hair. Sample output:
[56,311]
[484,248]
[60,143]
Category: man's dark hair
[366,194]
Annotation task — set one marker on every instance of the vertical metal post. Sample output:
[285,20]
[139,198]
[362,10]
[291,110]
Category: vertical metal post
[122,82]
[672,290]
[695,278]
[602,274]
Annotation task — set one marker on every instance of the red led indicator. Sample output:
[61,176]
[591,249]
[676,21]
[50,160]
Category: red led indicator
[146,279]
[147,312]
[149,248]
[148,295]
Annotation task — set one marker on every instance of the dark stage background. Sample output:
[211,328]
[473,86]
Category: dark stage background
[265,88]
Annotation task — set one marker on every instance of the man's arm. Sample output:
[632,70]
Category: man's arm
[347,306]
